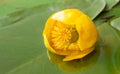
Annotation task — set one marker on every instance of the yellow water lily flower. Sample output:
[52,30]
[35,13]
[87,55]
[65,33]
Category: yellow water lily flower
[70,33]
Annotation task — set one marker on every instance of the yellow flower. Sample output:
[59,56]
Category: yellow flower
[70,33]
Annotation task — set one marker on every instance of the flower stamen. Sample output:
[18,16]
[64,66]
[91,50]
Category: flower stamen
[62,35]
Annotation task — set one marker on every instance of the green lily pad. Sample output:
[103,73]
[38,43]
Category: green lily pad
[111,3]
[8,6]
[94,9]
[116,23]
[91,7]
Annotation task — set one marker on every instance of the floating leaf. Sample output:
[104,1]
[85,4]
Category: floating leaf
[94,9]
[21,41]
[8,6]
[111,3]
[116,23]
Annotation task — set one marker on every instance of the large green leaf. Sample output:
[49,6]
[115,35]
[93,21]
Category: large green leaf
[91,7]
[8,6]
[22,49]
[102,62]
[111,3]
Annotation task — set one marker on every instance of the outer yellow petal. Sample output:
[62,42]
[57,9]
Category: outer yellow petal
[46,34]
[88,33]
[78,55]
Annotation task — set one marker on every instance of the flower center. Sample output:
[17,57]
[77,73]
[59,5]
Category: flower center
[63,35]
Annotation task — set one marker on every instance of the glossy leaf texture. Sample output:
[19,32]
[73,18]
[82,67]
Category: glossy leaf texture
[22,49]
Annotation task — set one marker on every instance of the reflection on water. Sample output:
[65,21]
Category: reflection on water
[75,65]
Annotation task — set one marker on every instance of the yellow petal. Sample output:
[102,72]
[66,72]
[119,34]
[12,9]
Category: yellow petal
[67,16]
[78,55]
[46,35]
[88,33]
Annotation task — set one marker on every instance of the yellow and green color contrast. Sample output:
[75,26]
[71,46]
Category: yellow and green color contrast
[70,33]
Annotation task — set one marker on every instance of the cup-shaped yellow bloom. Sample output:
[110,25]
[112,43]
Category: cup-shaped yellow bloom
[70,33]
